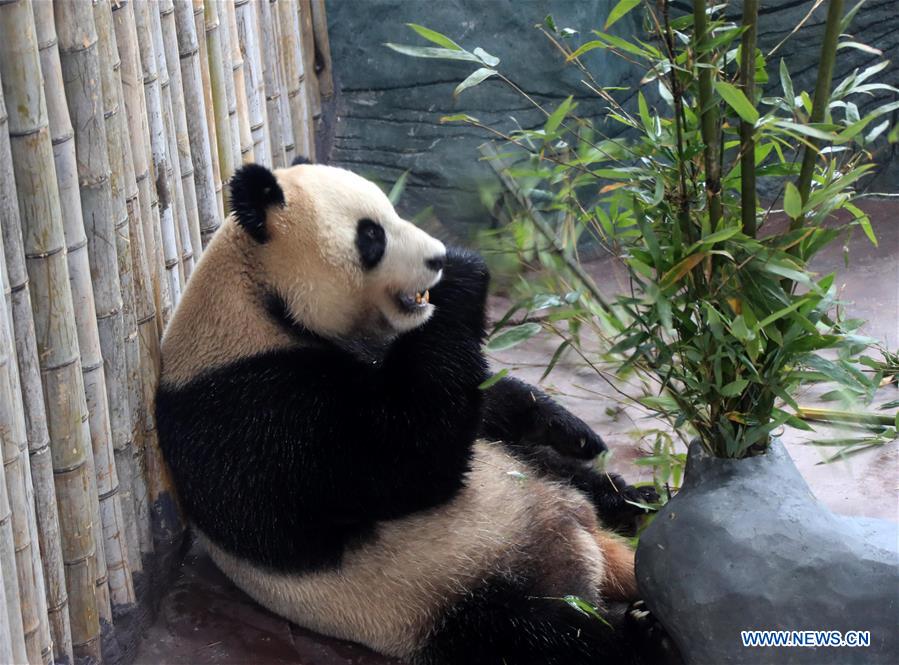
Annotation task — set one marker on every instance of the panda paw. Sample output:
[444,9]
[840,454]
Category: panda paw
[649,636]
[620,505]
[568,435]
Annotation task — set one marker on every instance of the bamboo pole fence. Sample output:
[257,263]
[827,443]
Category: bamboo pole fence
[121,122]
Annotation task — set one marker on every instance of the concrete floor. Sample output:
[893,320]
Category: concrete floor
[203,619]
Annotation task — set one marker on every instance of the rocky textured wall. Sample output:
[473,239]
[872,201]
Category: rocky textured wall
[385,119]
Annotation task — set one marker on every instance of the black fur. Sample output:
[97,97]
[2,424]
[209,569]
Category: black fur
[371,241]
[502,623]
[300,159]
[290,458]
[522,415]
[254,189]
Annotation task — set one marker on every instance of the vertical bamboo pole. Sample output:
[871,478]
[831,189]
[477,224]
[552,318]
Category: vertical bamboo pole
[182,132]
[292,63]
[307,45]
[108,393]
[159,148]
[152,296]
[198,133]
[230,91]
[203,56]
[124,418]
[747,129]
[708,107]
[821,101]
[54,319]
[240,89]
[14,437]
[6,650]
[96,422]
[322,49]
[272,81]
[11,600]
[51,585]
[180,198]
[14,448]
[248,38]
[165,519]
[290,141]
[217,83]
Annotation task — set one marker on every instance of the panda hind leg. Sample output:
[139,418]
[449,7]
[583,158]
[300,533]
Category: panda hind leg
[503,624]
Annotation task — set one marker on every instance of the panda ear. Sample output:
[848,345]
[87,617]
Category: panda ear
[300,159]
[254,189]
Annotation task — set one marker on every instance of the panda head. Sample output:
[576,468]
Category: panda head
[329,245]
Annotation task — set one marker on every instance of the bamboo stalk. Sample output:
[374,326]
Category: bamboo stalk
[11,599]
[205,179]
[51,584]
[104,372]
[14,436]
[240,89]
[291,58]
[71,189]
[165,521]
[230,90]
[160,151]
[182,134]
[182,227]
[123,368]
[54,318]
[248,36]
[152,303]
[271,73]
[6,647]
[709,115]
[14,442]
[197,35]
[124,417]
[290,141]
[322,49]
[307,45]
[821,100]
[832,416]
[217,85]
[747,129]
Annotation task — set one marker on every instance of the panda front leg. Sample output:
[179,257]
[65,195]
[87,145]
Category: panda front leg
[560,445]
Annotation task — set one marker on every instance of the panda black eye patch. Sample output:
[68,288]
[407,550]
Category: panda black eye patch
[371,242]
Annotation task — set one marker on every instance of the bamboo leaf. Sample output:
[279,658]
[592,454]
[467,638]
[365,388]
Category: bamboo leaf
[432,52]
[619,11]
[396,192]
[476,77]
[486,58]
[734,388]
[737,101]
[513,336]
[680,269]
[792,201]
[585,48]
[493,380]
[557,116]
[435,37]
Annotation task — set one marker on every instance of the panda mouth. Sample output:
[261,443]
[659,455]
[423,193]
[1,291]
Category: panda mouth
[413,302]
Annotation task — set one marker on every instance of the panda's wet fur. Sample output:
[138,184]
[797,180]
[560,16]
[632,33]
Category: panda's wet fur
[332,448]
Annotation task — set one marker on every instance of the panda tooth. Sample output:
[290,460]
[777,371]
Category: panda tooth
[427,296]
[418,298]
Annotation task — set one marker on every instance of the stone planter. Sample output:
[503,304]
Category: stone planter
[746,546]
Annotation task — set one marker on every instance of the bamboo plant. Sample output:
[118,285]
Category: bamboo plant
[291,57]
[240,88]
[722,318]
[217,83]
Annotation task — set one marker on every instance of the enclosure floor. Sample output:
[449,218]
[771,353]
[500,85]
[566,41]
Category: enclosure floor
[204,619]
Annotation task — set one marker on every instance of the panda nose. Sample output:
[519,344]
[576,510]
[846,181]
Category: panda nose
[436,263]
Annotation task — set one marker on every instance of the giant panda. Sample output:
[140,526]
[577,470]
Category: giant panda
[321,414]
